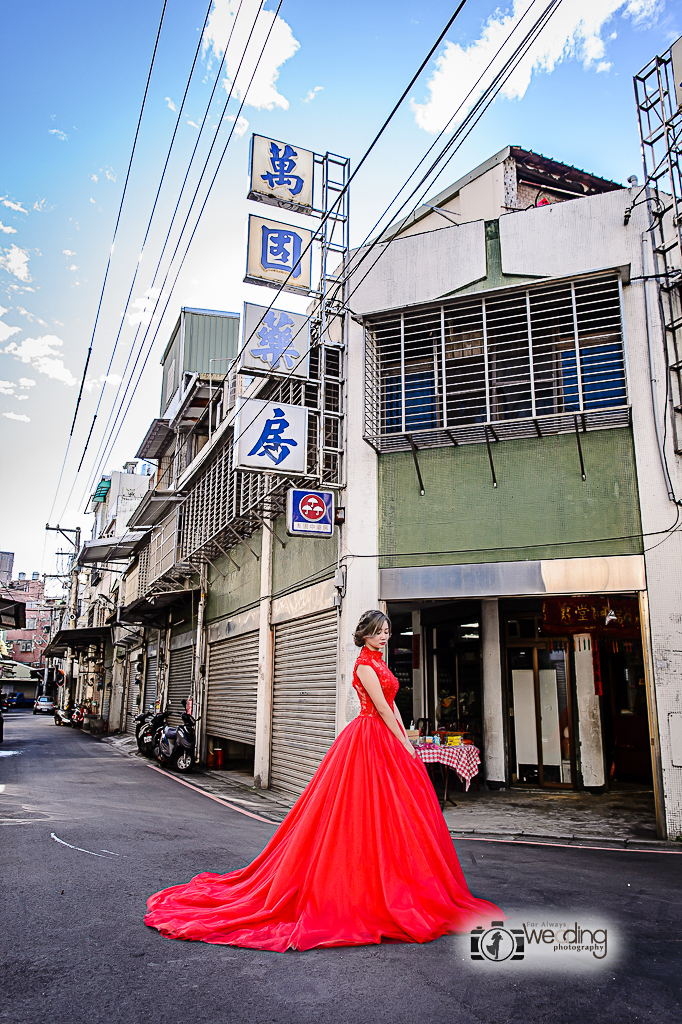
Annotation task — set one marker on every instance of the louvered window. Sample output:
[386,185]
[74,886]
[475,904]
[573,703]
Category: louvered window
[514,363]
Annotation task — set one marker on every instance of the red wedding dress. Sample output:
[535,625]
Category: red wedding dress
[364,855]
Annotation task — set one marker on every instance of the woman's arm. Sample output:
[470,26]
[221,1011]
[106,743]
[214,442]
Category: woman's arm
[370,681]
[399,717]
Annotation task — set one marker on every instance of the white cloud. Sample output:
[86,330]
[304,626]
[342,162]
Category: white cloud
[573,33]
[311,94]
[192,123]
[72,267]
[92,200]
[15,261]
[27,382]
[171,105]
[12,206]
[93,177]
[69,252]
[241,127]
[17,416]
[62,136]
[143,308]
[108,173]
[7,387]
[6,230]
[94,383]
[44,356]
[40,205]
[5,330]
[280,47]
[21,398]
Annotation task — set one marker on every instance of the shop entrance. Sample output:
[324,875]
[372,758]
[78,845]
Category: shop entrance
[540,703]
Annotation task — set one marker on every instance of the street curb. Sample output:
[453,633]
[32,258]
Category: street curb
[573,842]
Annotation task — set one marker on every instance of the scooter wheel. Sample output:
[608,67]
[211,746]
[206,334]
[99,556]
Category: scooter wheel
[185,762]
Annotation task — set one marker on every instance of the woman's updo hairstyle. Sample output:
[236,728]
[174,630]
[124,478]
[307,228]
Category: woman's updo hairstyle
[369,624]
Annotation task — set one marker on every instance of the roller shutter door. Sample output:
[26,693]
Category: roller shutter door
[304,699]
[179,682]
[232,686]
[150,683]
[132,707]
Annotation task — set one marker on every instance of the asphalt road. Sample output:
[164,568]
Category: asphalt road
[73,947]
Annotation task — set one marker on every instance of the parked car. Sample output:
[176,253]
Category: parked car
[19,700]
[43,704]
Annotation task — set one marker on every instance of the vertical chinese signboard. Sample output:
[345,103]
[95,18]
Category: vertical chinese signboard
[278,255]
[275,342]
[281,175]
[271,436]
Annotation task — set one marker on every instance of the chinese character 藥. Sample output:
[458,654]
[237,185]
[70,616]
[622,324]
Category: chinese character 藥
[281,250]
[283,164]
[271,442]
[275,340]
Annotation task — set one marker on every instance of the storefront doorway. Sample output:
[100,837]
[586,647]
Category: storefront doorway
[540,703]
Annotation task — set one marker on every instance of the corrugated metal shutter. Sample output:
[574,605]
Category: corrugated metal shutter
[150,683]
[304,699]
[106,702]
[179,681]
[132,707]
[232,685]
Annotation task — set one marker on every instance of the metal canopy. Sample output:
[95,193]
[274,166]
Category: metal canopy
[153,508]
[76,639]
[151,610]
[156,441]
[110,549]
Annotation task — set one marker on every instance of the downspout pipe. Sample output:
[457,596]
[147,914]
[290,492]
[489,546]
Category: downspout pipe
[652,371]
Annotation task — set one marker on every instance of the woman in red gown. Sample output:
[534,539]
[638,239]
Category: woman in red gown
[363,856]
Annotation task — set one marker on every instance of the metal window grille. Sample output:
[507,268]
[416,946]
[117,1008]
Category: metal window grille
[516,363]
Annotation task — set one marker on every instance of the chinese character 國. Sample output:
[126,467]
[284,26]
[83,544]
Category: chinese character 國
[271,443]
[275,340]
[283,165]
[281,250]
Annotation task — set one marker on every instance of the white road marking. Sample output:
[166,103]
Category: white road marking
[2,788]
[79,848]
[8,753]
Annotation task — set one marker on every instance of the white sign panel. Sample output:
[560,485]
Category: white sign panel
[274,342]
[271,437]
[281,172]
[279,251]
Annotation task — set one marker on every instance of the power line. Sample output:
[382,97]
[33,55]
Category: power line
[111,250]
[105,441]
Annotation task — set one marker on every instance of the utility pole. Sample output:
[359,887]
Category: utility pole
[73,599]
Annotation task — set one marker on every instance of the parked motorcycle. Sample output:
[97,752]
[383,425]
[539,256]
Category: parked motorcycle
[77,716]
[147,726]
[176,745]
[62,716]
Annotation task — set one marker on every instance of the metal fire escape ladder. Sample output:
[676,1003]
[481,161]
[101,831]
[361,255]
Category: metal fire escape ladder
[660,128]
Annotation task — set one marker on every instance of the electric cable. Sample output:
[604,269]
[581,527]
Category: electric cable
[510,63]
[106,441]
[170,227]
[111,250]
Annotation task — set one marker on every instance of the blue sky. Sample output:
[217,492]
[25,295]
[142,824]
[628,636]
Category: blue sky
[73,80]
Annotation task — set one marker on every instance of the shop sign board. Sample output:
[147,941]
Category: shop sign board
[277,252]
[676,54]
[281,173]
[274,342]
[271,437]
[310,513]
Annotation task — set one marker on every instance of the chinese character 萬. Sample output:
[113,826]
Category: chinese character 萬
[281,250]
[275,340]
[271,442]
[283,164]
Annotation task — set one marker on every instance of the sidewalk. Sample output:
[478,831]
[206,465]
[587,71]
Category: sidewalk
[621,818]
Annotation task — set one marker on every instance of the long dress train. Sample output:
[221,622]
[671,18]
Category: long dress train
[364,855]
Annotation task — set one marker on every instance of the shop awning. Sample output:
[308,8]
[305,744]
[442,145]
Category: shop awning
[76,639]
[110,549]
[151,611]
[12,614]
[154,507]
[157,440]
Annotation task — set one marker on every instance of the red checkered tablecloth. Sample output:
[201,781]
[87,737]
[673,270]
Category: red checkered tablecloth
[464,759]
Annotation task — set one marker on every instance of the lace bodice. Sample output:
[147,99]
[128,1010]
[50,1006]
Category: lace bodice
[389,683]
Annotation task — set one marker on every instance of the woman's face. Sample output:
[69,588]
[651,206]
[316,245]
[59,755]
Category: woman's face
[377,641]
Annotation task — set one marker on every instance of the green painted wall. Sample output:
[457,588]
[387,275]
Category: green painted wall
[238,589]
[541,507]
[304,560]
